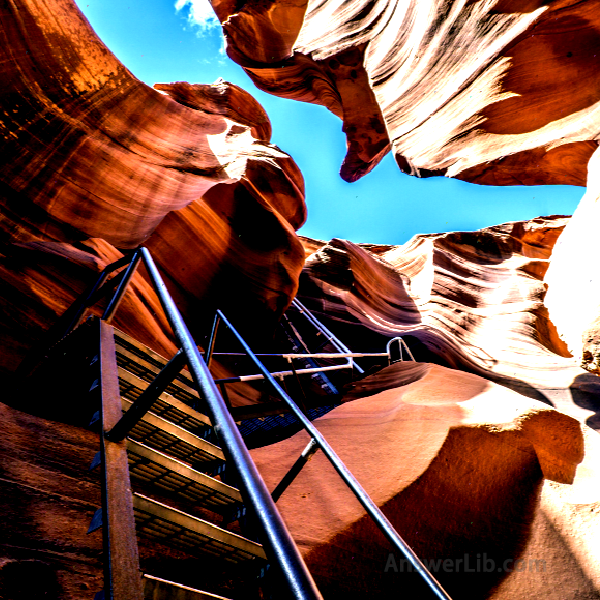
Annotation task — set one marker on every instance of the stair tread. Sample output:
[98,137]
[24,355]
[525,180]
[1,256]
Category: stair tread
[166,406]
[176,528]
[151,466]
[146,371]
[144,352]
[156,588]
[156,432]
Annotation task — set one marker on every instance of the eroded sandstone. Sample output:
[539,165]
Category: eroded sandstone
[433,446]
[473,300]
[94,161]
[495,92]
[498,93]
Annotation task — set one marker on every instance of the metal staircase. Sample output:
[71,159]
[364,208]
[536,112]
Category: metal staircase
[175,471]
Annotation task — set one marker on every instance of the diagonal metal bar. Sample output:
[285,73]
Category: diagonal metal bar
[289,477]
[277,541]
[372,509]
[147,398]
[68,320]
[105,289]
[320,327]
[211,342]
[118,296]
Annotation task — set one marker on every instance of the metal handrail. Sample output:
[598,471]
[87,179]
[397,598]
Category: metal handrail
[308,355]
[317,438]
[72,316]
[320,327]
[277,541]
[280,374]
[401,343]
[278,544]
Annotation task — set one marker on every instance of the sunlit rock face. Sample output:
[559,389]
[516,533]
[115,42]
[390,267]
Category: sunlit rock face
[94,160]
[573,284]
[497,92]
[469,300]
[465,470]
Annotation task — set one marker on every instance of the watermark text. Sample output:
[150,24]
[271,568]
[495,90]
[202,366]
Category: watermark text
[470,563]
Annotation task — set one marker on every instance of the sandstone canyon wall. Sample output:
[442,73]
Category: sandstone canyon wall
[494,92]
[95,162]
[473,301]
[463,468]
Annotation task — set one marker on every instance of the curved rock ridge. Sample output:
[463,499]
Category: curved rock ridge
[464,469]
[95,147]
[473,300]
[221,98]
[96,161]
[496,92]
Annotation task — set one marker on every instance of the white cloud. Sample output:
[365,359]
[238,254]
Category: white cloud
[200,13]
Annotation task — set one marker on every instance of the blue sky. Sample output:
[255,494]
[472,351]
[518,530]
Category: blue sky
[178,40]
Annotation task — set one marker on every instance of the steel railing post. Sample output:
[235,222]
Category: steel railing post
[277,541]
[211,342]
[118,296]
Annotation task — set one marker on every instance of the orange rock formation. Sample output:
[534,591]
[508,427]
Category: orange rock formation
[462,468]
[94,160]
[497,92]
[474,301]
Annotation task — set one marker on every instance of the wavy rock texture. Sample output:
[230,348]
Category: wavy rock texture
[474,301]
[494,92]
[497,92]
[95,160]
[48,498]
[460,466]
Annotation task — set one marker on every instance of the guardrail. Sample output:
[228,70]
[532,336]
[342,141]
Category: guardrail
[317,442]
[278,544]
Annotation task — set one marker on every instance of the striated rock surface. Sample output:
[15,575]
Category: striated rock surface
[496,92]
[41,279]
[94,160]
[472,301]
[48,498]
[465,470]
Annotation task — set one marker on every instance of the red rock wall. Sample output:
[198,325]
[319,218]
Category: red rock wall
[472,301]
[95,160]
[498,92]
[460,466]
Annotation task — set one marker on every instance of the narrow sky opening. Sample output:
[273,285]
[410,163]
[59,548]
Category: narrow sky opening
[178,40]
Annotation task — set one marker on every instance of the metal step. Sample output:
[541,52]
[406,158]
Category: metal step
[158,433]
[145,364]
[166,406]
[149,466]
[175,528]
[161,589]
